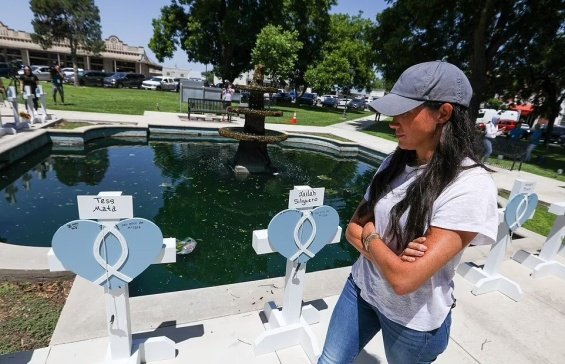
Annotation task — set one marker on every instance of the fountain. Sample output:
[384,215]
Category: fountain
[252,155]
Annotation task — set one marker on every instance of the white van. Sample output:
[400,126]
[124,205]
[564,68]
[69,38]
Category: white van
[509,115]
[485,115]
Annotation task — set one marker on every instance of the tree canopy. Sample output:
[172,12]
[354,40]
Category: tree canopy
[217,32]
[488,39]
[76,22]
[223,32]
[277,50]
[347,57]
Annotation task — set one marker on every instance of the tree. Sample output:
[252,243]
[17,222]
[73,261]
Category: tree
[347,56]
[311,19]
[535,71]
[277,50]
[480,36]
[76,23]
[333,70]
[217,32]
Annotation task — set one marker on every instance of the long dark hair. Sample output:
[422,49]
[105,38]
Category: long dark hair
[457,142]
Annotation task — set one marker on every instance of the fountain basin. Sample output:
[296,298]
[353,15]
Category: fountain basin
[185,187]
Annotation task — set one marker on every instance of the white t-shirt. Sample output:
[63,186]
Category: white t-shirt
[491,130]
[228,93]
[467,204]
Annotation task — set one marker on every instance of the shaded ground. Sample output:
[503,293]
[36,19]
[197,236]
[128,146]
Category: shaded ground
[30,305]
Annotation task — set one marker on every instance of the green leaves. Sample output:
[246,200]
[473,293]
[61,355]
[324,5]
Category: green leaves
[77,22]
[277,50]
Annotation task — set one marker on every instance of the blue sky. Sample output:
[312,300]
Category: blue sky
[130,20]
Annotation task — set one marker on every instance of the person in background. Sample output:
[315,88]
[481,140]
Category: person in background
[534,142]
[491,132]
[57,78]
[227,95]
[31,80]
[427,202]
[517,133]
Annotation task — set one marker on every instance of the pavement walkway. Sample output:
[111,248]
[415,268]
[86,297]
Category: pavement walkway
[219,324]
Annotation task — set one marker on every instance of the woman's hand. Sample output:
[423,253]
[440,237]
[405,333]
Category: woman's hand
[414,250]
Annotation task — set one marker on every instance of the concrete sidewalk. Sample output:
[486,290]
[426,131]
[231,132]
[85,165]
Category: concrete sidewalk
[220,324]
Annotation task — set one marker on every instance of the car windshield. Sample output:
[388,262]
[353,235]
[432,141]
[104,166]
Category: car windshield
[157,79]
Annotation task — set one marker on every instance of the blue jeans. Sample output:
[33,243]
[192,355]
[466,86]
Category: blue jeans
[355,322]
[487,142]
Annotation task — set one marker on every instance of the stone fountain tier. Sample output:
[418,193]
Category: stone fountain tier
[246,111]
[256,88]
[252,155]
[239,133]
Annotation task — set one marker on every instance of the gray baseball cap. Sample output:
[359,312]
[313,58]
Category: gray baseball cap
[428,81]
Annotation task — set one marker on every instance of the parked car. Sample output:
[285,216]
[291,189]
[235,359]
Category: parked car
[5,69]
[282,97]
[92,78]
[330,101]
[323,97]
[561,140]
[506,125]
[123,79]
[70,78]
[11,68]
[556,133]
[159,84]
[292,94]
[69,71]
[343,102]
[356,104]
[178,81]
[485,115]
[43,73]
[306,99]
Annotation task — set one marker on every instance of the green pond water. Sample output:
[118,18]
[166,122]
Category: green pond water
[188,190]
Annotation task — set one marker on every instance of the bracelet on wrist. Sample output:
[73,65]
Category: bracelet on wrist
[369,238]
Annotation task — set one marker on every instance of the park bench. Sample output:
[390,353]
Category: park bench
[512,149]
[207,106]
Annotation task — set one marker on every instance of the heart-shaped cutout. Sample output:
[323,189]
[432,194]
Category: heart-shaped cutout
[108,256]
[519,209]
[299,235]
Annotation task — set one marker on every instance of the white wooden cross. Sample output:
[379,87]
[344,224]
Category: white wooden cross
[28,97]
[291,326]
[488,279]
[10,128]
[42,112]
[545,264]
[121,349]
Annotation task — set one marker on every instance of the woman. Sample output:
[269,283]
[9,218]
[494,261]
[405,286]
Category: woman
[426,203]
[227,95]
[491,132]
[31,80]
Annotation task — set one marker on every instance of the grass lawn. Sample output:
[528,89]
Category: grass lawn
[546,160]
[314,115]
[29,312]
[137,101]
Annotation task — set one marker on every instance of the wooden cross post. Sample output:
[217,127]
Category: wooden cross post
[291,326]
[488,279]
[109,209]
[545,264]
